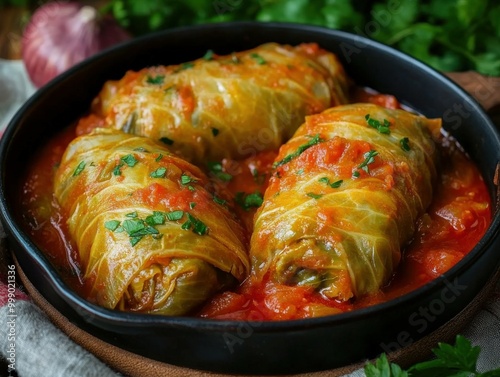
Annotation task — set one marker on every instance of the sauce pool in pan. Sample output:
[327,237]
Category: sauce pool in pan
[458,217]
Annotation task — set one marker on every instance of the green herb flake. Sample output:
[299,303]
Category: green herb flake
[300,172]
[174,215]
[160,156]
[112,225]
[316,139]
[369,159]
[217,170]
[157,218]
[132,214]
[383,128]
[313,195]
[198,226]
[247,201]
[405,144]
[186,180]
[220,201]
[130,160]
[166,140]
[159,173]
[117,169]
[141,149]
[184,66]
[259,59]
[157,80]
[209,55]
[355,174]
[192,205]
[215,131]
[79,168]
[335,184]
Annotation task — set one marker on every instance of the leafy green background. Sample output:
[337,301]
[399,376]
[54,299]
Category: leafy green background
[450,35]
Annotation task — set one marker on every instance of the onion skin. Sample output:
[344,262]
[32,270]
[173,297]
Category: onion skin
[59,35]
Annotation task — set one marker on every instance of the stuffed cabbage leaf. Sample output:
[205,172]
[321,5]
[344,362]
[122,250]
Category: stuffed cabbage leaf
[151,233]
[344,199]
[224,106]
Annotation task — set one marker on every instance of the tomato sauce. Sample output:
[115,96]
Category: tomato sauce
[456,220]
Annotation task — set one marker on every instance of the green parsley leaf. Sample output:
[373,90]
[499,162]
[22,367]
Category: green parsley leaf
[192,205]
[313,195]
[215,131]
[316,139]
[160,156]
[216,169]
[186,180]
[220,201]
[132,214]
[198,226]
[382,128]
[259,59]
[355,174]
[404,143]
[335,184]
[157,80]
[175,215]
[112,225]
[166,140]
[159,173]
[247,201]
[117,169]
[209,55]
[184,66]
[79,168]
[369,159]
[157,218]
[383,368]
[130,160]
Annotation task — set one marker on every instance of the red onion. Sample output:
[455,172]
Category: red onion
[60,35]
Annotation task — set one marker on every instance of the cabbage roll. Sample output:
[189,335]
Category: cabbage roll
[344,199]
[152,233]
[224,106]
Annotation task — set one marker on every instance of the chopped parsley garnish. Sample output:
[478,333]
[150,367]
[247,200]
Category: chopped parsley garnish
[157,218]
[335,184]
[247,201]
[216,169]
[314,196]
[132,214]
[140,149]
[258,178]
[130,160]
[404,143]
[79,168]
[157,80]
[197,226]
[316,139]
[160,156]
[209,55]
[300,172]
[215,131]
[259,59]
[186,179]
[184,66]
[355,174]
[192,205]
[112,225]
[220,201]
[159,173]
[369,159]
[116,170]
[166,140]
[174,215]
[383,128]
